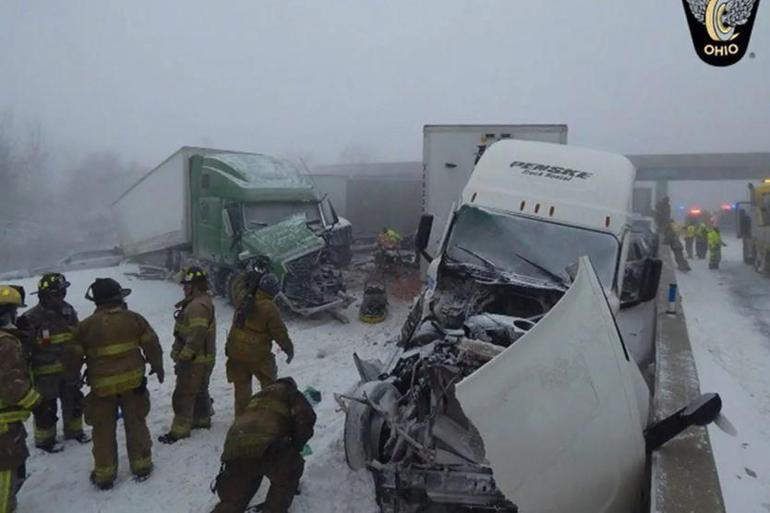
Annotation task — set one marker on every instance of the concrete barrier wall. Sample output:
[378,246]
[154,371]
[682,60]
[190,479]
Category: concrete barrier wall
[683,475]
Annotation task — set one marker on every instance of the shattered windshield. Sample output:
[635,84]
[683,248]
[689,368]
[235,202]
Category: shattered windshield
[260,215]
[527,246]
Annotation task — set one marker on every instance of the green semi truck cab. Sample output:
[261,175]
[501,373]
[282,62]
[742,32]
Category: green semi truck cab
[222,209]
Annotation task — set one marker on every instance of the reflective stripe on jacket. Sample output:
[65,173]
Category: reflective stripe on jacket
[117,344]
[263,325]
[195,330]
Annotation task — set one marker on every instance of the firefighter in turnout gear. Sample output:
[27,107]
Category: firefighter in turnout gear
[17,398]
[117,344]
[194,355]
[55,356]
[715,248]
[256,324]
[266,440]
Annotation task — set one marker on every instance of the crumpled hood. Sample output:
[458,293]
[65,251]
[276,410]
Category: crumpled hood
[283,241]
[562,411]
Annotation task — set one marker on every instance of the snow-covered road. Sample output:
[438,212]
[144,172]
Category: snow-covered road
[180,483]
[728,320]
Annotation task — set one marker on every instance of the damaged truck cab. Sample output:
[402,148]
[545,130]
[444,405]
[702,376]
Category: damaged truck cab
[222,209]
[511,386]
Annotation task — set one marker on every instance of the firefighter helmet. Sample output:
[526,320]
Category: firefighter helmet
[193,274]
[52,282]
[10,297]
[105,290]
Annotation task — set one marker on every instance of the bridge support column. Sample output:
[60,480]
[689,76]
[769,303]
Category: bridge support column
[661,190]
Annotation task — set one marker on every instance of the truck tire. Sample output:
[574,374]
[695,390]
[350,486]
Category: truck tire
[748,256]
[363,426]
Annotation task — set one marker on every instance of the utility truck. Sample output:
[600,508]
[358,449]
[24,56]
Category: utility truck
[510,386]
[224,209]
[754,226]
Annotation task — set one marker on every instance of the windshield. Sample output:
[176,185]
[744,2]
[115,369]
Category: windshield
[526,246]
[259,215]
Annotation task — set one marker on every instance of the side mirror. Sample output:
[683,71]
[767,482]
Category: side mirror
[701,412]
[423,236]
[650,281]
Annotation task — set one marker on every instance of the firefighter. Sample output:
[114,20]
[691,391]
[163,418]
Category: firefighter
[701,240]
[55,361]
[17,398]
[193,353]
[256,324]
[715,247]
[117,344]
[266,440]
[689,239]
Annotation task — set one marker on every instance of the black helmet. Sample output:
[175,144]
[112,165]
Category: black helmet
[193,274]
[52,282]
[269,284]
[105,290]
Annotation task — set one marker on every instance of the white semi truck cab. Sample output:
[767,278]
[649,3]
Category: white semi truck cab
[530,210]
[510,387]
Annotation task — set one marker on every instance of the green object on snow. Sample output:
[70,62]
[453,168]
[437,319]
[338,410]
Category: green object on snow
[312,394]
[306,451]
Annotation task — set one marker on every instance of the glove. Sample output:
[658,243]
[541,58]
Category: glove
[159,373]
[289,354]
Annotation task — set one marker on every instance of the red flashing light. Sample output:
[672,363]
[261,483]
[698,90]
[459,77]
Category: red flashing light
[695,211]
[726,206]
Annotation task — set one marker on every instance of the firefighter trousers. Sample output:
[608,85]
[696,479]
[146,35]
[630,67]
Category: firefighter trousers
[102,414]
[191,400]
[239,481]
[715,256]
[10,483]
[240,374]
[55,388]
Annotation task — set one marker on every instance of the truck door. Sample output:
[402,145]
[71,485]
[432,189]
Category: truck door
[208,236]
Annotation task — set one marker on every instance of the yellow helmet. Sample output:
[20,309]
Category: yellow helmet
[10,296]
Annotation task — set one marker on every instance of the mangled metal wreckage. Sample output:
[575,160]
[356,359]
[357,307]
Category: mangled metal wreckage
[530,402]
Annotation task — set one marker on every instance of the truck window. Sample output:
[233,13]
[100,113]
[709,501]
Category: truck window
[259,215]
[204,212]
[509,242]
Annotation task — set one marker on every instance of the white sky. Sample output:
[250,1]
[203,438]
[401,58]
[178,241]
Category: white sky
[312,77]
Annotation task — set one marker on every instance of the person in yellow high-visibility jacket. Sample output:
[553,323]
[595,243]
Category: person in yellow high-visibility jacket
[689,239]
[715,248]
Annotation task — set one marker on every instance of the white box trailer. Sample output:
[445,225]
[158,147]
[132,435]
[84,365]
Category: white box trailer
[154,214]
[449,154]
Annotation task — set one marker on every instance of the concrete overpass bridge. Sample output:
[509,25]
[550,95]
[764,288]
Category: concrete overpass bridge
[663,168]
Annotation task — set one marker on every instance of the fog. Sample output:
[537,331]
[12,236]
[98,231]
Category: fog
[348,80]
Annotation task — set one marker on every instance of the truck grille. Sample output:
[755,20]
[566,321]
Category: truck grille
[310,282]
